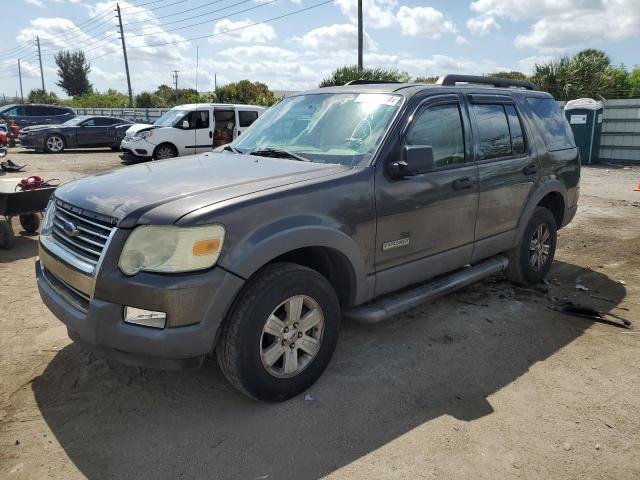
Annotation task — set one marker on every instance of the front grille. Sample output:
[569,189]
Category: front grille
[75,297]
[93,231]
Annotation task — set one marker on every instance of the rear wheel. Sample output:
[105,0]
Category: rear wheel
[164,150]
[6,234]
[54,143]
[531,260]
[30,222]
[281,333]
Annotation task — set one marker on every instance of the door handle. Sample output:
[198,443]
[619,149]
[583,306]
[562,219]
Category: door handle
[210,134]
[463,183]
[530,169]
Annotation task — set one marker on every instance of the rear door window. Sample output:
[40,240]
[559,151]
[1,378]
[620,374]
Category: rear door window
[515,127]
[493,131]
[440,127]
[551,123]
[247,117]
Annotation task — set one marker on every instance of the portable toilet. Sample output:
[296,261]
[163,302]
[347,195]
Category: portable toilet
[585,117]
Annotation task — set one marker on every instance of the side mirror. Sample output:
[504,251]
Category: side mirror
[185,124]
[416,160]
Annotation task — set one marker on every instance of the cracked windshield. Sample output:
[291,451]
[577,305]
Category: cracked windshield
[324,128]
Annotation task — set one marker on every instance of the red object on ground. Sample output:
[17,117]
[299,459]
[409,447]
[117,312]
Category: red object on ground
[31,183]
[3,137]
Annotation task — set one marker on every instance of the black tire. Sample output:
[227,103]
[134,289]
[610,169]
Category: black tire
[239,347]
[30,222]
[6,234]
[522,269]
[158,151]
[49,149]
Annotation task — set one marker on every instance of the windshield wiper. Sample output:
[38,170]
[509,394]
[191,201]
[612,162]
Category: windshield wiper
[278,153]
[229,148]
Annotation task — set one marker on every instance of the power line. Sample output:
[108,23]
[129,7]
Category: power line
[176,13]
[226,31]
[155,8]
[205,21]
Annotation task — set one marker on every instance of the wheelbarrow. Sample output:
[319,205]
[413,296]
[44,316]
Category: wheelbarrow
[26,204]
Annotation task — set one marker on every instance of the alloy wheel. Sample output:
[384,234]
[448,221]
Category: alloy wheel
[539,247]
[291,336]
[55,144]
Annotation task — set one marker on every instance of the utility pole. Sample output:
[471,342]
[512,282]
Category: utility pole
[20,77]
[174,74]
[124,50]
[215,82]
[360,35]
[40,60]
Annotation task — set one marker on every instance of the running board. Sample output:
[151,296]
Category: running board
[404,300]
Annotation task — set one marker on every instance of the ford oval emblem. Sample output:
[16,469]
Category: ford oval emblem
[70,229]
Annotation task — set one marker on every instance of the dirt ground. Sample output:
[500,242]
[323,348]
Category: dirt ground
[487,383]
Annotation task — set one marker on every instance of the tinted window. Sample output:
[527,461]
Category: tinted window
[91,122]
[493,131]
[515,127]
[104,121]
[441,128]
[13,111]
[247,118]
[551,123]
[197,120]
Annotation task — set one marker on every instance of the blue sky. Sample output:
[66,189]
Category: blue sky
[293,53]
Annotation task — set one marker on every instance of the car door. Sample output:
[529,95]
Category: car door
[245,119]
[506,167]
[425,223]
[88,133]
[199,135]
[225,126]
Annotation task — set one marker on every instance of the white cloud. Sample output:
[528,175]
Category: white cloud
[376,13]
[238,32]
[337,37]
[460,40]
[423,22]
[482,25]
[560,25]
[258,52]
[36,3]
[527,65]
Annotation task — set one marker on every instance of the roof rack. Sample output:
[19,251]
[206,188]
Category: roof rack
[369,82]
[452,80]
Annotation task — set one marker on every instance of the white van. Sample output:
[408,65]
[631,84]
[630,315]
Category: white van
[188,129]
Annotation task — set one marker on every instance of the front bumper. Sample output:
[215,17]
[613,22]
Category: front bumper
[202,297]
[30,141]
[136,149]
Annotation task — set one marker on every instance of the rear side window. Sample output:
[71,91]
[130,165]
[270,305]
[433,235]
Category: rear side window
[247,118]
[493,131]
[440,127]
[104,121]
[551,123]
[515,127]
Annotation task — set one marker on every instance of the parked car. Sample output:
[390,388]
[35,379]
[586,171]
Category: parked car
[342,201]
[29,114]
[79,132]
[188,129]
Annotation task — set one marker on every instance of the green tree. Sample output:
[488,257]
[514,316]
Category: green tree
[40,96]
[147,100]
[73,71]
[349,73]
[246,91]
[109,99]
[511,75]
[426,79]
[170,97]
[589,73]
[634,82]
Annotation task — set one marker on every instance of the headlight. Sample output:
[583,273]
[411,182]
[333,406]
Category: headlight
[171,249]
[48,218]
[141,135]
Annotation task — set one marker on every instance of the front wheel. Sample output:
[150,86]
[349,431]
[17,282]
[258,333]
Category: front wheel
[281,333]
[54,144]
[164,151]
[531,260]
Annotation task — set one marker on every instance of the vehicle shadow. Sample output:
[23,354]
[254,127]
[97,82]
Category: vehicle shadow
[25,245]
[443,358]
[78,151]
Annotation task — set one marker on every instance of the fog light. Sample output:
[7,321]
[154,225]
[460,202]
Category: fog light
[148,318]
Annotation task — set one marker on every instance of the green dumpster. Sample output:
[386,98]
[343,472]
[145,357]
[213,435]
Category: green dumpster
[585,117]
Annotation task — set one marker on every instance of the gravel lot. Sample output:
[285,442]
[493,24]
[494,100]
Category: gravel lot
[490,382]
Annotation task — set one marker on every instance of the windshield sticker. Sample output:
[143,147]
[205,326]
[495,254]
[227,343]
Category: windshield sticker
[377,99]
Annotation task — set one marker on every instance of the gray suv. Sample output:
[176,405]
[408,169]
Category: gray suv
[36,114]
[358,201]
